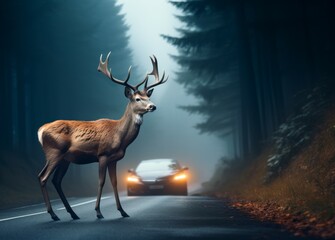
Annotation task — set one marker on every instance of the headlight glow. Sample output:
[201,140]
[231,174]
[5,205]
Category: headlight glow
[180,177]
[133,179]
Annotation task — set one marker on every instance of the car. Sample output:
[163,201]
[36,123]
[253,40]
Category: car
[157,176]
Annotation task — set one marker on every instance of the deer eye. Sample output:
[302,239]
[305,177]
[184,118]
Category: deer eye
[137,99]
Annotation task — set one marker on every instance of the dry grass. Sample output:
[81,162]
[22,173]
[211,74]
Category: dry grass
[302,197]
[306,185]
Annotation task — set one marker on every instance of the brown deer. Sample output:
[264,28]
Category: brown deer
[103,141]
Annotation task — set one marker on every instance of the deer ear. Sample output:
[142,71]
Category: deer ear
[150,92]
[128,93]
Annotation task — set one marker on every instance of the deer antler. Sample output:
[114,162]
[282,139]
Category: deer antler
[103,67]
[154,73]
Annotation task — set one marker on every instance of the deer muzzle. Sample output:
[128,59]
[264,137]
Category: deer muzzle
[151,108]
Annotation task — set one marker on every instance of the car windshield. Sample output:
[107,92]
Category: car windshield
[157,165]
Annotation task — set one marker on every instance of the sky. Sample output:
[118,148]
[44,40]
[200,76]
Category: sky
[169,131]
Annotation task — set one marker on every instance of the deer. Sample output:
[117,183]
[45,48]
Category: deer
[103,141]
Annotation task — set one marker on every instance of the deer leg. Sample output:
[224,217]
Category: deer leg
[43,178]
[57,181]
[102,177]
[113,178]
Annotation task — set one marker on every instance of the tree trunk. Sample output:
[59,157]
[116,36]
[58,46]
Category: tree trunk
[249,99]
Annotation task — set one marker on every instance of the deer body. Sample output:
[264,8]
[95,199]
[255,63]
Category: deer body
[103,141]
[83,142]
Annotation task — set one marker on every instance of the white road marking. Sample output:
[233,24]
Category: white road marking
[37,204]
[58,209]
[22,216]
[83,203]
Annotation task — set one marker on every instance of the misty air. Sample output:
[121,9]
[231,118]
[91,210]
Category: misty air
[159,119]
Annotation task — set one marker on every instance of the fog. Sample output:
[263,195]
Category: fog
[240,67]
[169,131]
[49,71]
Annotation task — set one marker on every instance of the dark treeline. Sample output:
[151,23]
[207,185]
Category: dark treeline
[247,61]
[49,56]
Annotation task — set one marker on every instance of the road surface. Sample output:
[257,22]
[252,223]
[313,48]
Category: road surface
[151,217]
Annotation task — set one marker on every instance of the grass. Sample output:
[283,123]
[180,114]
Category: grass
[301,198]
[307,184]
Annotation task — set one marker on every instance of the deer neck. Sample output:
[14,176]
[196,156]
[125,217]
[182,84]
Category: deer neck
[130,118]
[130,124]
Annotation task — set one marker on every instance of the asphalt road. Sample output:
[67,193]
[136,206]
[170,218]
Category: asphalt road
[151,217]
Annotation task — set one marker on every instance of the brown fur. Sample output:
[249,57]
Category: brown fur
[103,141]
[82,142]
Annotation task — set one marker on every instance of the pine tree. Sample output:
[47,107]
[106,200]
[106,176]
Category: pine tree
[247,60]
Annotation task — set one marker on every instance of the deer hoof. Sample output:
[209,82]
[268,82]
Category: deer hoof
[99,215]
[53,215]
[124,214]
[74,216]
[55,218]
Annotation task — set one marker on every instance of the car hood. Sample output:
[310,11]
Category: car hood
[153,175]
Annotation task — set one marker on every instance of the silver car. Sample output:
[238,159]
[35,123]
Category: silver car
[157,176]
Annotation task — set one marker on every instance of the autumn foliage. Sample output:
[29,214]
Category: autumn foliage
[301,223]
[301,197]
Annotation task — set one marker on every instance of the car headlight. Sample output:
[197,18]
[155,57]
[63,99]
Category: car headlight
[181,176]
[133,179]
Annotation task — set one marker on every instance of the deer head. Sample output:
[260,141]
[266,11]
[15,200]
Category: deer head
[139,99]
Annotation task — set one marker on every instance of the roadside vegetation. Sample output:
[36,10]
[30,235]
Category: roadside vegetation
[301,191]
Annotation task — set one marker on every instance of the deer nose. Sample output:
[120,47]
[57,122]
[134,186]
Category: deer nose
[152,107]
